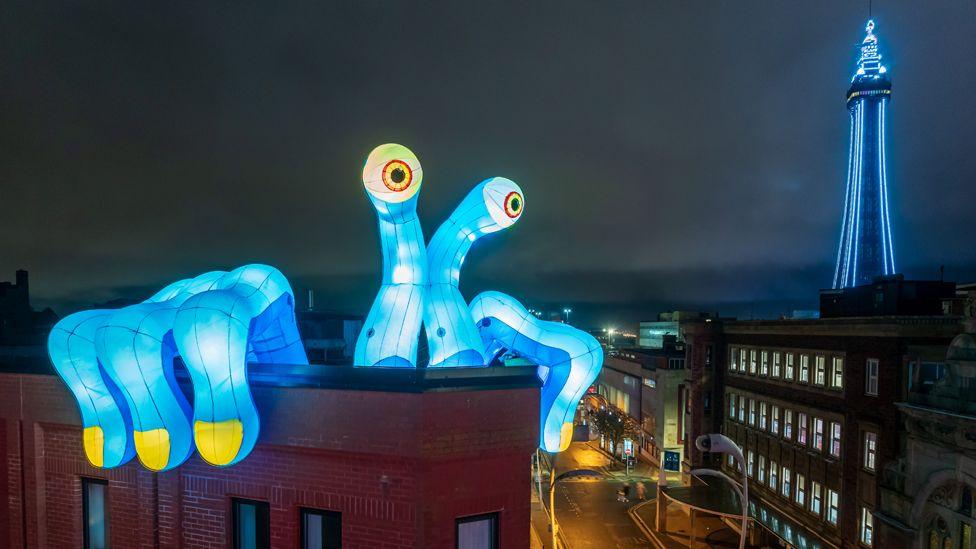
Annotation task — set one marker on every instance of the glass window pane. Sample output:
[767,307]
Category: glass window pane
[321,529]
[480,532]
[251,525]
[95,514]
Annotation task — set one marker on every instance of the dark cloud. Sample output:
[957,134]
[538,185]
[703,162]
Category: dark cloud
[680,152]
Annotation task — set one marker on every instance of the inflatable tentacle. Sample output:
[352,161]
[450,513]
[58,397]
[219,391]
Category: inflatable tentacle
[573,358]
[392,178]
[105,418]
[452,337]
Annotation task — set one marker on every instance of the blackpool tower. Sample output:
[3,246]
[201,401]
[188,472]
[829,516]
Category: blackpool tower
[866,250]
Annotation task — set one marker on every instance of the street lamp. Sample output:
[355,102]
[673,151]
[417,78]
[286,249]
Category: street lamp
[553,479]
[566,312]
[722,444]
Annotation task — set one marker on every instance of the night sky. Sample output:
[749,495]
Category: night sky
[672,154]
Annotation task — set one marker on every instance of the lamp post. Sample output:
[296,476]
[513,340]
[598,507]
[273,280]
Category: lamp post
[566,312]
[722,444]
[553,479]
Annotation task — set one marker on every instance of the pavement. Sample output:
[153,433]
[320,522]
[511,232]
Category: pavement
[587,511]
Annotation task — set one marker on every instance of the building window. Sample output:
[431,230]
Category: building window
[762,470]
[752,361]
[804,369]
[477,532]
[742,409]
[820,373]
[870,450]
[752,412]
[837,373]
[732,406]
[763,415]
[835,439]
[789,367]
[816,498]
[321,529]
[773,474]
[764,364]
[750,463]
[818,433]
[733,359]
[833,506]
[867,527]
[777,366]
[788,424]
[252,529]
[731,460]
[706,403]
[801,490]
[774,424]
[786,482]
[801,429]
[650,382]
[871,377]
[94,507]
[709,353]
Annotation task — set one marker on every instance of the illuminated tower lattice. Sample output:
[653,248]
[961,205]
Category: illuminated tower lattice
[865,248]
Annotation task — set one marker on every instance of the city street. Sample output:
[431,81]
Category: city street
[588,513]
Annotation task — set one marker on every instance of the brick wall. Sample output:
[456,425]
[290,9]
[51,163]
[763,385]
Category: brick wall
[400,467]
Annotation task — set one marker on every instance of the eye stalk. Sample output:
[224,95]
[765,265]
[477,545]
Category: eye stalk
[392,173]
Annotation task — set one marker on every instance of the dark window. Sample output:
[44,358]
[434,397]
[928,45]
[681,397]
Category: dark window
[251,524]
[707,403]
[477,532]
[321,529]
[94,504]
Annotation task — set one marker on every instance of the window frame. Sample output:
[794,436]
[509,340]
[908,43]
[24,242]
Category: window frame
[800,494]
[836,438]
[802,429]
[803,376]
[773,476]
[789,367]
[817,440]
[788,423]
[786,484]
[866,528]
[837,373]
[764,363]
[262,531]
[869,447]
[325,514]
[816,499]
[494,516]
[820,371]
[869,379]
[777,364]
[85,511]
[774,419]
[833,507]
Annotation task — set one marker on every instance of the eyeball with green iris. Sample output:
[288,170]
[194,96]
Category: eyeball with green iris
[392,173]
[504,201]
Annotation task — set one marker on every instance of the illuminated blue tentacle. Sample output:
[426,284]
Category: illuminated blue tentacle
[105,418]
[573,358]
[452,338]
[390,333]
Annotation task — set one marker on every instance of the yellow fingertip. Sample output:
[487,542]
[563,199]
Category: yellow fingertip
[218,441]
[565,436]
[94,439]
[152,447]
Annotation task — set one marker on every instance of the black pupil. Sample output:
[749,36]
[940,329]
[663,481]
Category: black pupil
[516,203]
[398,175]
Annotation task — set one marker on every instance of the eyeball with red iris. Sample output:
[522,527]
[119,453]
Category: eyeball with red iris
[392,173]
[504,201]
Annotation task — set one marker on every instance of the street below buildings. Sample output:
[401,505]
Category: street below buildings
[587,510]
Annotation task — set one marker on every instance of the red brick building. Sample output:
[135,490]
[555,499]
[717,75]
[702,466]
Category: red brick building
[397,458]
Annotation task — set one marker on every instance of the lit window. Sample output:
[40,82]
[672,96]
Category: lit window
[867,528]
[818,433]
[731,460]
[251,524]
[801,490]
[478,532]
[732,406]
[786,482]
[835,439]
[762,470]
[94,513]
[650,382]
[788,374]
[837,373]
[788,424]
[752,361]
[752,412]
[773,474]
[774,424]
[764,364]
[870,449]
[820,374]
[801,429]
[871,377]
[833,506]
[804,369]
[816,498]
[742,409]
[777,366]
[763,409]
[733,359]
[321,529]
[750,463]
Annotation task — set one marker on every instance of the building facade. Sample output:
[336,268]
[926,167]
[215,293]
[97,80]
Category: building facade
[362,457]
[866,249]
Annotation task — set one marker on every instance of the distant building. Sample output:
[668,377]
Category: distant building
[329,338]
[20,324]
[652,334]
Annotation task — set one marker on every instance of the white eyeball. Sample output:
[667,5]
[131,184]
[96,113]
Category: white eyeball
[504,201]
[392,173]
